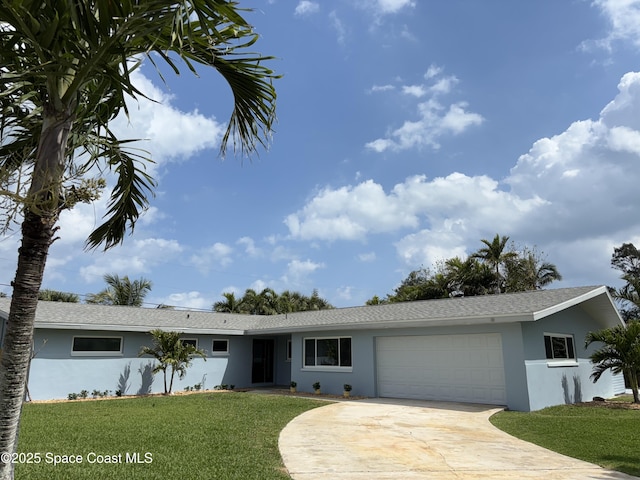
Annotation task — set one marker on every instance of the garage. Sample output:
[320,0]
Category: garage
[457,368]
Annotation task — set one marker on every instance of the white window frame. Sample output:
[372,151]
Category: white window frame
[325,368]
[561,361]
[219,353]
[96,353]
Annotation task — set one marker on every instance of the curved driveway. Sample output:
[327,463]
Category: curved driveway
[404,439]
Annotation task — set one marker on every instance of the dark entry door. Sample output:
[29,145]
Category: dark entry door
[263,351]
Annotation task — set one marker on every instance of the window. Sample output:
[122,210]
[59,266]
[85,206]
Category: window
[559,346]
[190,341]
[220,347]
[288,352]
[327,352]
[98,346]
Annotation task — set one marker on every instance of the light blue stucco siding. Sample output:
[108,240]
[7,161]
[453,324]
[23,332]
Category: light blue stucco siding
[362,374]
[556,382]
[55,372]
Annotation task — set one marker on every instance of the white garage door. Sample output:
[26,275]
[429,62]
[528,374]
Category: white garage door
[459,368]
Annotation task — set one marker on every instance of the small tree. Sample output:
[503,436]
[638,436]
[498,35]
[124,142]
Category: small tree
[172,355]
[620,353]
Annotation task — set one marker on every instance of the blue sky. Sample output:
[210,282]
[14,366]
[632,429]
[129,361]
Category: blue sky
[407,131]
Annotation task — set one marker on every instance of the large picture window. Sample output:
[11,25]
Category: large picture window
[327,352]
[96,346]
[559,346]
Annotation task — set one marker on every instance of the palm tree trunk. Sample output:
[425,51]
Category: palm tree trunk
[633,383]
[16,349]
[38,228]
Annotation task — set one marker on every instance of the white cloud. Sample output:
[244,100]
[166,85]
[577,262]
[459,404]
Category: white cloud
[349,213]
[415,90]
[435,119]
[354,212]
[367,257]
[433,71]
[305,8]
[167,132]
[137,257]
[393,6]
[574,195]
[187,300]
[217,255]
[299,270]
[624,19]
[249,246]
[381,88]
[339,26]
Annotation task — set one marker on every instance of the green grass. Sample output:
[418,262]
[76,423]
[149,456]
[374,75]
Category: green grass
[218,435]
[605,436]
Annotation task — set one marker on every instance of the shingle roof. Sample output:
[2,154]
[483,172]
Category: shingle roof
[513,307]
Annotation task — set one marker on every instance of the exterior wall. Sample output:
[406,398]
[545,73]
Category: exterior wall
[552,382]
[55,372]
[362,375]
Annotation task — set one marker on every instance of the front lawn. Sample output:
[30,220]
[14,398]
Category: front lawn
[609,437]
[208,435]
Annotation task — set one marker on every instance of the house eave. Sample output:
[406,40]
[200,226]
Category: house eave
[135,328]
[388,325]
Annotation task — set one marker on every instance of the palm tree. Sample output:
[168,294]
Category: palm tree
[121,291]
[48,295]
[229,305]
[493,253]
[172,355]
[468,277]
[66,72]
[620,353]
[529,272]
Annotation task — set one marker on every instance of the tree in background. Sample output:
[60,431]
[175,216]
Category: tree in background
[529,270]
[47,295]
[626,259]
[620,353]
[121,291]
[230,304]
[66,74]
[268,302]
[173,355]
[495,254]
[495,268]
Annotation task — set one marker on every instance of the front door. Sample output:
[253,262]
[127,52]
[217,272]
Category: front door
[263,353]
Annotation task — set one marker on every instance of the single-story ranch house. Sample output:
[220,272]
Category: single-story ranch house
[521,350]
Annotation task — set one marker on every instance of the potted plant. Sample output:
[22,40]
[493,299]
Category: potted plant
[347,390]
[316,387]
[292,387]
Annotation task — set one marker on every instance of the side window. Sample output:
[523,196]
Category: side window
[220,347]
[96,346]
[559,346]
[190,341]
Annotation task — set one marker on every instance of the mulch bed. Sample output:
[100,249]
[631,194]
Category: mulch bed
[610,404]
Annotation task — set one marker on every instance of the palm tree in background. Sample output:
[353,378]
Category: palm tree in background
[230,304]
[494,254]
[121,291]
[529,272]
[620,353]
[48,295]
[66,74]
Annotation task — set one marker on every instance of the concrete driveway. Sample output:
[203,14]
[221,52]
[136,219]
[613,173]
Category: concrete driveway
[404,439]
